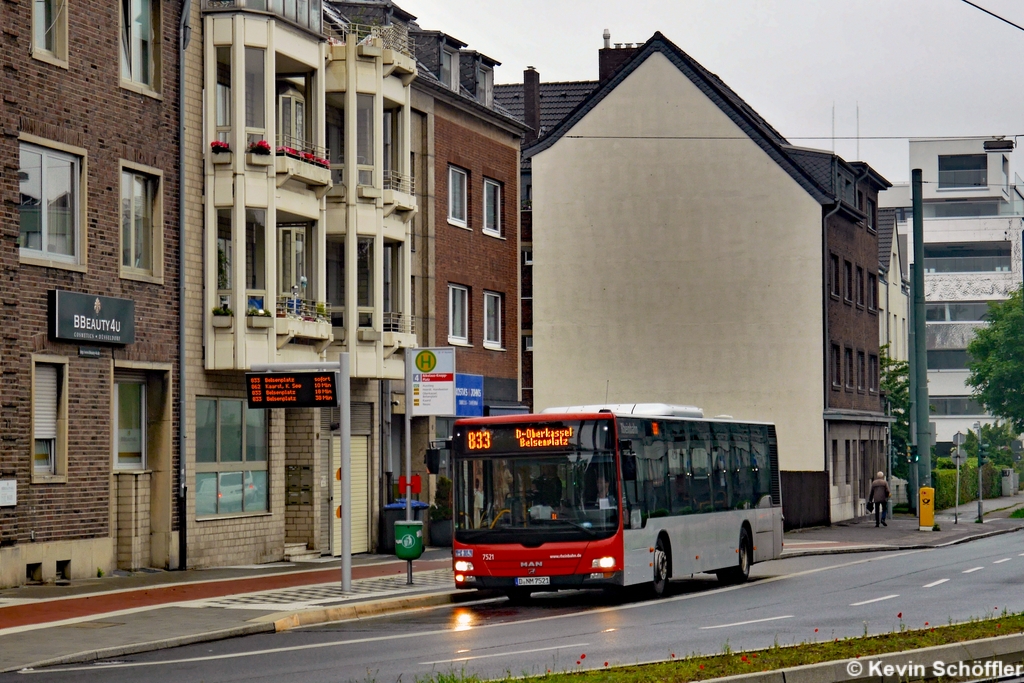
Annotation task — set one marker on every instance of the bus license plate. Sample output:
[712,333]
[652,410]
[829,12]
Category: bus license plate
[533,580]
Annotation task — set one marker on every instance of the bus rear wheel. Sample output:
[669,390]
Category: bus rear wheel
[662,566]
[741,571]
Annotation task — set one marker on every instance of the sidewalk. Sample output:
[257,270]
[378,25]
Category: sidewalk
[120,615]
[903,531]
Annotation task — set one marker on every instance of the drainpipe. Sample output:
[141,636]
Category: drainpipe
[184,37]
[826,262]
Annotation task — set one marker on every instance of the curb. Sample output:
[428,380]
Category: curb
[362,610]
[889,548]
[1005,649]
[273,623]
[136,648]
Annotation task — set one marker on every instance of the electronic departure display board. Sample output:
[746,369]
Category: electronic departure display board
[291,389]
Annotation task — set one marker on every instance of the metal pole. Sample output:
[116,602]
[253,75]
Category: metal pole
[408,450]
[981,510]
[924,441]
[956,512]
[911,412]
[345,405]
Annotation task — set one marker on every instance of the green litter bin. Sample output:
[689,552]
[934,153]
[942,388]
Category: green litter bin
[408,539]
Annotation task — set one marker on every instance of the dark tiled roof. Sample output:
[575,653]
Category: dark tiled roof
[816,163]
[557,100]
[886,230]
[731,104]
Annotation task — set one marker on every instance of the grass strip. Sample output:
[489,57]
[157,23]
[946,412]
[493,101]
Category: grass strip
[681,668]
[1017,514]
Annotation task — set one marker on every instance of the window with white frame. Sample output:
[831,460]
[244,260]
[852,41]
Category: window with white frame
[450,69]
[48,203]
[527,257]
[485,86]
[492,208]
[492,320]
[129,425]
[140,195]
[527,342]
[231,458]
[140,44]
[458,314]
[457,203]
[49,410]
[50,29]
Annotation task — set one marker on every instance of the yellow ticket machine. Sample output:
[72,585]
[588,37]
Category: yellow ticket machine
[926,507]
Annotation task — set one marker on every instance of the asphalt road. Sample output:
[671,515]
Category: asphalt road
[788,601]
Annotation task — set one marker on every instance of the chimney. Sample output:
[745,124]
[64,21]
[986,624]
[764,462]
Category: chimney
[531,103]
[609,59]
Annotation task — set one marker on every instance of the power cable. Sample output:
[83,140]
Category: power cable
[993,14]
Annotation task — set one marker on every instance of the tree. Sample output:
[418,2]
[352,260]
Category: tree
[999,436]
[996,361]
[895,381]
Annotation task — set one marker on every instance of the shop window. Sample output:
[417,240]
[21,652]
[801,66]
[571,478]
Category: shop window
[231,458]
[129,425]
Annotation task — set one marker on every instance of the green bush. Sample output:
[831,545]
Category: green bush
[944,482]
[441,510]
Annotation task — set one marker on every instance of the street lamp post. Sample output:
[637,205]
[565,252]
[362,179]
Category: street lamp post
[981,493]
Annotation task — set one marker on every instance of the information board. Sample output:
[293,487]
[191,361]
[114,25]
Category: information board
[291,389]
[433,381]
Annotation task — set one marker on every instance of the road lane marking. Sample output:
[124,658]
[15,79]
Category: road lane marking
[420,634]
[968,571]
[1005,559]
[744,623]
[868,602]
[934,583]
[505,654]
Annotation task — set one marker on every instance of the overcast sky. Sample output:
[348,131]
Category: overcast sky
[917,68]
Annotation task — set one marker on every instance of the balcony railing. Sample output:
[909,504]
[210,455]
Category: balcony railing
[968,264]
[397,322]
[303,309]
[963,178]
[392,37]
[305,13]
[302,150]
[393,180]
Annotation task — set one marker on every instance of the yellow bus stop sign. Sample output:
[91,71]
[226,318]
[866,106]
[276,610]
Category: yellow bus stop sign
[426,361]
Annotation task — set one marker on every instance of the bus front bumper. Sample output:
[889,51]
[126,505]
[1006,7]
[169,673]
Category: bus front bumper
[560,582]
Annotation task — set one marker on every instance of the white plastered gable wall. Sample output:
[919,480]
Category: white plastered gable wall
[680,271]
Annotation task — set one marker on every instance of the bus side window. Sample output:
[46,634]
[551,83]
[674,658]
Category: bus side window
[759,465]
[739,469]
[654,461]
[720,476]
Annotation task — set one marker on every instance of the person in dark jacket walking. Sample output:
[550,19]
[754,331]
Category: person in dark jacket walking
[879,497]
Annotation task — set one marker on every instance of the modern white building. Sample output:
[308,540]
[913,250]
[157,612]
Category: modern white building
[972,255]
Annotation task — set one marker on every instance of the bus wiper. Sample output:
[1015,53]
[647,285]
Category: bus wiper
[577,525]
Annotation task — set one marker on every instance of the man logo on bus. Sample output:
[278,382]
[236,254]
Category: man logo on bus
[426,361]
[531,564]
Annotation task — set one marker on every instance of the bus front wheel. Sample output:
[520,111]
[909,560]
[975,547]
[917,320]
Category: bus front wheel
[741,571]
[662,566]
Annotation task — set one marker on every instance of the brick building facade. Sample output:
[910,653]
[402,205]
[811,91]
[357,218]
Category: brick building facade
[90,185]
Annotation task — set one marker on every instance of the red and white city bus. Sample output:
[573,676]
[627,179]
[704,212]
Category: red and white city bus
[616,495]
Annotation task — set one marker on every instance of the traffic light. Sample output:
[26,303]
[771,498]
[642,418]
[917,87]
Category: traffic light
[983,453]
[914,455]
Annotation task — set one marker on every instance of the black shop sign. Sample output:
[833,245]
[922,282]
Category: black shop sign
[88,318]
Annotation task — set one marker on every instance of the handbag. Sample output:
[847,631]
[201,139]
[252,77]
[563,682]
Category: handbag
[871,506]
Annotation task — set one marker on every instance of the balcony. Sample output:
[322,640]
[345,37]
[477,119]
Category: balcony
[304,162]
[392,38]
[399,192]
[398,329]
[968,264]
[302,13]
[304,319]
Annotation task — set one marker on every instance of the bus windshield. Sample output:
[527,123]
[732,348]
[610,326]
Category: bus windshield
[564,488]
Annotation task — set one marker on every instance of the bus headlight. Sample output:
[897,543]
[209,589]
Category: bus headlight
[604,563]
[463,566]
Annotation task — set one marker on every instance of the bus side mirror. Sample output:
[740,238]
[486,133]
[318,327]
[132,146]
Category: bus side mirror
[433,460]
[628,467]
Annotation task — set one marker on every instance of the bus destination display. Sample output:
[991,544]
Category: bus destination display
[520,438]
[291,390]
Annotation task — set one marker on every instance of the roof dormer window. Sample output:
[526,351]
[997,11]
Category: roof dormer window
[485,86]
[450,69]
